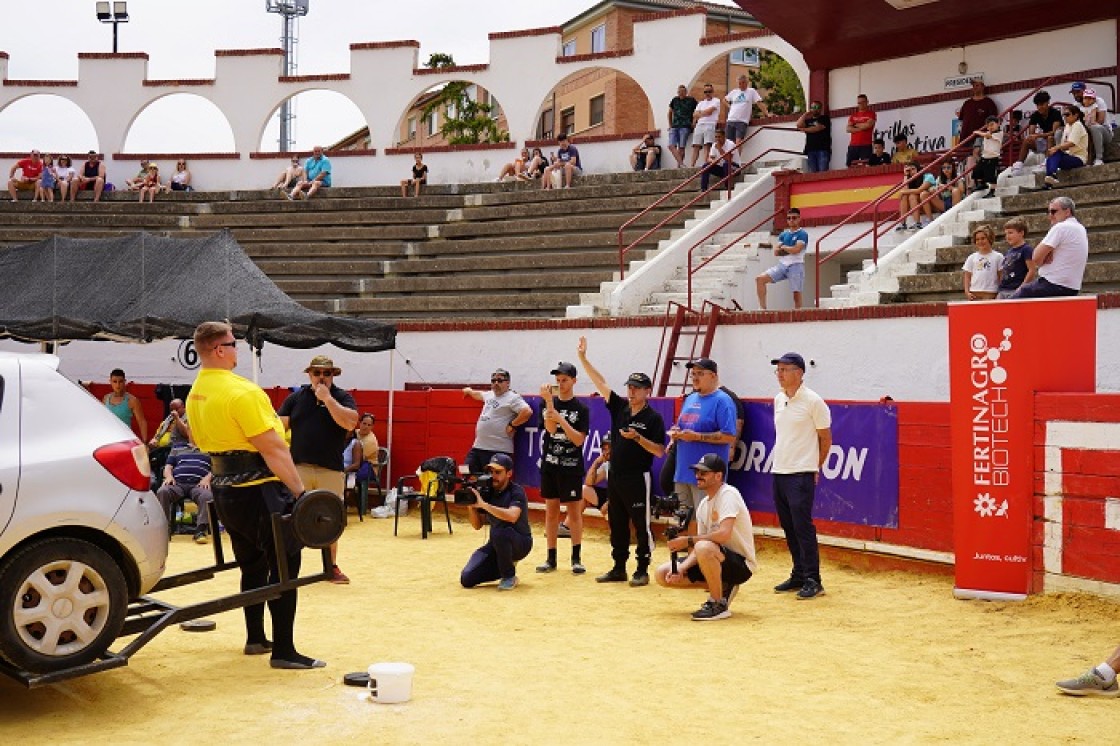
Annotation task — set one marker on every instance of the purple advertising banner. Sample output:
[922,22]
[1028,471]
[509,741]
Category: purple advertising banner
[859,483]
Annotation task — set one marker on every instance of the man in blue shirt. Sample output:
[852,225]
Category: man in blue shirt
[790,251]
[506,510]
[317,173]
[707,424]
[186,476]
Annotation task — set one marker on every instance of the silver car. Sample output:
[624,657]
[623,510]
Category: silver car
[81,534]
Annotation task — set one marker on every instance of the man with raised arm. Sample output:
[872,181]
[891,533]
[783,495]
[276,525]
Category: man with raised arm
[637,437]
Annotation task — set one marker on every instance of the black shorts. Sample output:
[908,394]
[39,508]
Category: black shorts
[600,496]
[734,569]
[565,485]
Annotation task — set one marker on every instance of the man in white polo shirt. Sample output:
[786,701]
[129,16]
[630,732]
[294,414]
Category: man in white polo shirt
[802,437]
[1060,257]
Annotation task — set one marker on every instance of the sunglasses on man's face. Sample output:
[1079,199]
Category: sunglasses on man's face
[322,373]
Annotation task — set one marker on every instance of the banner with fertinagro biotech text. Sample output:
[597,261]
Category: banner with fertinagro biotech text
[1000,354]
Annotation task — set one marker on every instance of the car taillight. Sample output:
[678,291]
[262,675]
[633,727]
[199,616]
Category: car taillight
[128,462]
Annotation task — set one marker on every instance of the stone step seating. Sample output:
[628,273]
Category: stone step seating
[721,281]
[1095,190]
[467,250]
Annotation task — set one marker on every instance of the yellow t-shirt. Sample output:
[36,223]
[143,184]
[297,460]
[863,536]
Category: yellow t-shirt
[225,410]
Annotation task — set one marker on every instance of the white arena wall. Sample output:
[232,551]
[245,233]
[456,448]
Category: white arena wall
[862,360]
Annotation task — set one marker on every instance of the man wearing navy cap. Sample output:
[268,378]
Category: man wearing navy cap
[637,437]
[506,510]
[721,554]
[707,424]
[565,421]
[802,437]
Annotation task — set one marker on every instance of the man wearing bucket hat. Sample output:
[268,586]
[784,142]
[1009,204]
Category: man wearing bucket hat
[321,416]
[506,510]
[721,554]
[802,437]
[637,437]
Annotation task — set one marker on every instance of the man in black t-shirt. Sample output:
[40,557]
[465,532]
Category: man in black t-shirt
[817,127]
[321,417]
[565,420]
[637,437]
[1042,127]
[506,510]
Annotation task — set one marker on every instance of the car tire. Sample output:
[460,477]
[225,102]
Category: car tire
[62,603]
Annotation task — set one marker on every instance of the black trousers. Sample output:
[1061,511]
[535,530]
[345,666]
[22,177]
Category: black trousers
[629,506]
[497,558]
[246,512]
[793,498]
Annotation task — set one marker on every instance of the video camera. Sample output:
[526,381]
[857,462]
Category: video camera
[484,483]
[670,505]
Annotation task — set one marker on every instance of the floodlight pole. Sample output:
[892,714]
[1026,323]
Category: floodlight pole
[289,11]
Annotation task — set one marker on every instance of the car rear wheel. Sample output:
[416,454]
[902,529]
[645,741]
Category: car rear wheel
[62,603]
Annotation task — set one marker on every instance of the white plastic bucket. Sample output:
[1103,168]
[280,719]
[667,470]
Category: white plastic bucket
[390,683]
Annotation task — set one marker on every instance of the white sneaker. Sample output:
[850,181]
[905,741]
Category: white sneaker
[1051,181]
[1098,162]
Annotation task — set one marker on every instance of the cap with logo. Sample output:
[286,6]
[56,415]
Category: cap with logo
[710,462]
[640,380]
[503,460]
[790,358]
[703,363]
[1078,86]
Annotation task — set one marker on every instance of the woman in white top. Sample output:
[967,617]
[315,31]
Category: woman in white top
[64,174]
[181,179]
[1073,150]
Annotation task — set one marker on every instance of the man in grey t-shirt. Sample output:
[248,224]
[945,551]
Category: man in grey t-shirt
[503,411]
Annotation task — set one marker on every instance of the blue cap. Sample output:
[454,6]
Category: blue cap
[790,358]
[503,460]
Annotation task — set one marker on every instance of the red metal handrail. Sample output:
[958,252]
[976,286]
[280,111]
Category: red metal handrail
[693,270]
[876,203]
[729,179]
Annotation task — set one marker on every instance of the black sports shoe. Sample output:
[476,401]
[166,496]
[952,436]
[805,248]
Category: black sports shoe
[793,584]
[640,578]
[615,575]
[710,611]
[811,589]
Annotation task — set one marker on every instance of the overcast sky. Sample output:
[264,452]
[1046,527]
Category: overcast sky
[44,38]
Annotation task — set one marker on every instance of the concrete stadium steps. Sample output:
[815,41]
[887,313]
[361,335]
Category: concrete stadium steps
[1096,192]
[465,251]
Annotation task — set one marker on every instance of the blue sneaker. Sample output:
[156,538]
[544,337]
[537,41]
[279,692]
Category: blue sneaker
[507,584]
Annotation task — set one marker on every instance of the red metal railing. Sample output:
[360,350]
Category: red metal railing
[874,205]
[729,180]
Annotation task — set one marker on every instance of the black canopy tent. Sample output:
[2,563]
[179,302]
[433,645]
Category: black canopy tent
[144,287]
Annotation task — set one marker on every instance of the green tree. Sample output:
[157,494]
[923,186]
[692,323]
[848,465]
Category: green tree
[775,76]
[465,121]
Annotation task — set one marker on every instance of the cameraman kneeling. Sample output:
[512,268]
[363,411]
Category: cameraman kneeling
[506,509]
[721,555]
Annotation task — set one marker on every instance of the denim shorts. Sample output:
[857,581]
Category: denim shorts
[795,273]
[678,136]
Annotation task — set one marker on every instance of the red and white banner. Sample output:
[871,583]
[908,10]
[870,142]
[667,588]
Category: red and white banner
[1000,354]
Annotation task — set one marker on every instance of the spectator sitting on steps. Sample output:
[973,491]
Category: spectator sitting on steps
[565,161]
[316,174]
[419,177]
[290,176]
[1072,151]
[30,170]
[904,152]
[646,156]
[879,155]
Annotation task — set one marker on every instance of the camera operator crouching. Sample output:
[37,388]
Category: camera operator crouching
[506,508]
[721,556]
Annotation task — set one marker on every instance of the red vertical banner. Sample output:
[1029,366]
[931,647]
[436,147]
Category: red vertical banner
[1000,354]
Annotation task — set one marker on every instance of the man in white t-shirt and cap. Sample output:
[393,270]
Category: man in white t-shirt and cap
[1061,255]
[802,438]
[503,411]
[721,554]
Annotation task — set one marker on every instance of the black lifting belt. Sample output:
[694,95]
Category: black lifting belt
[237,467]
